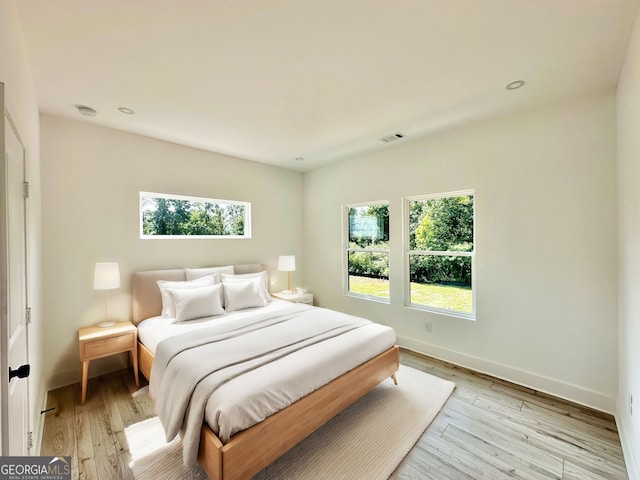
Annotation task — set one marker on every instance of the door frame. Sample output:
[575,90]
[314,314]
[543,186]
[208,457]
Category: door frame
[4,312]
[4,283]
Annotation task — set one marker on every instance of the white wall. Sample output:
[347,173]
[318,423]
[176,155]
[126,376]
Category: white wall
[91,178]
[629,252]
[20,102]
[545,244]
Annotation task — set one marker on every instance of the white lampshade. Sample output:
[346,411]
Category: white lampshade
[287,263]
[106,276]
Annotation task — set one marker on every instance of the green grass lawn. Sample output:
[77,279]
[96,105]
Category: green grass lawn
[369,286]
[450,297]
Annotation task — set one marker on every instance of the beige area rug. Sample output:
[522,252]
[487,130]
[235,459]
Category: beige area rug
[366,441]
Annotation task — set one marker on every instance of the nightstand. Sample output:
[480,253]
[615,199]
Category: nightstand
[98,342]
[295,297]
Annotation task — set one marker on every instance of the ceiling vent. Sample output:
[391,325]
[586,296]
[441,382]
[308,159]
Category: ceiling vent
[393,137]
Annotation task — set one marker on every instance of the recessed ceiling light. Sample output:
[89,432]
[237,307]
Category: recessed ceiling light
[126,110]
[86,111]
[516,84]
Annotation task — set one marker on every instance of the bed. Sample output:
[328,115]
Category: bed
[248,451]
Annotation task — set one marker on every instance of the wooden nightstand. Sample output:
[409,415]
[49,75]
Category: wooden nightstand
[98,342]
[295,297]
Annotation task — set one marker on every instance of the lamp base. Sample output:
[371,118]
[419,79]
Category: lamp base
[106,324]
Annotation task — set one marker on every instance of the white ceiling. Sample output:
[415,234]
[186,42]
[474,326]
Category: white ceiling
[272,80]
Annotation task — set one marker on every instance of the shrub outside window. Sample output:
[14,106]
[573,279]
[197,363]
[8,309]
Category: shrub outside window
[367,250]
[177,216]
[440,253]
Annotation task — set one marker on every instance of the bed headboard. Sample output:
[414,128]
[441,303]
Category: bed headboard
[147,301]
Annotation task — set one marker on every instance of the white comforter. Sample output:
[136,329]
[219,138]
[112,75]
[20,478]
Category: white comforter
[235,374]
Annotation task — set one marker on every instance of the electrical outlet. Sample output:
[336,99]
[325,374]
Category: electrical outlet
[427,327]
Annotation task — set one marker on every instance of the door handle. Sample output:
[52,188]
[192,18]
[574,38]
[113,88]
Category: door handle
[21,372]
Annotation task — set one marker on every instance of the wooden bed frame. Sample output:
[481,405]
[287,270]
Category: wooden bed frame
[253,449]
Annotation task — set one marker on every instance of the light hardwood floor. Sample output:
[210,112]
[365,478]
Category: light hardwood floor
[488,429]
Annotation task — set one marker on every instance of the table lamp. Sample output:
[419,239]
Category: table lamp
[287,263]
[106,277]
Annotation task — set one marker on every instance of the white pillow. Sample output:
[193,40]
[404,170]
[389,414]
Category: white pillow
[245,293]
[226,278]
[168,309]
[198,302]
[194,273]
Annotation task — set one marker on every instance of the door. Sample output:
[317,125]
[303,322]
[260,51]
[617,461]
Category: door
[15,388]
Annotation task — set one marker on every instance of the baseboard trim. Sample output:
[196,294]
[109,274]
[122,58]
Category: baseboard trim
[39,428]
[551,386]
[97,368]
[631,453]
[62,379]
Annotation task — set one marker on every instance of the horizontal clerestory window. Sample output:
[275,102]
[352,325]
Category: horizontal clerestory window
[177,216]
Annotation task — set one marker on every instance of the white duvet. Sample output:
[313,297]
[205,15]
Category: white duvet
[236,371]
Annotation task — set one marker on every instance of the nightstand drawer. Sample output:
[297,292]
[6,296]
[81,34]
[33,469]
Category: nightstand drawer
[295,297]
[306,298]
[109,346]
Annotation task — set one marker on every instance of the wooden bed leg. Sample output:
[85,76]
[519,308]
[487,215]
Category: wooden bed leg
[394,378]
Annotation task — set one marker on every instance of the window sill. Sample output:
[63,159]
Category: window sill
[442,311]
[367,297]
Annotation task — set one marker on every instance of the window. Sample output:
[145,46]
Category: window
[367,250]
[440,252]
[177,216]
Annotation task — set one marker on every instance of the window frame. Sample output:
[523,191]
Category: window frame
[190,198]
[346,249]
[407,255]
